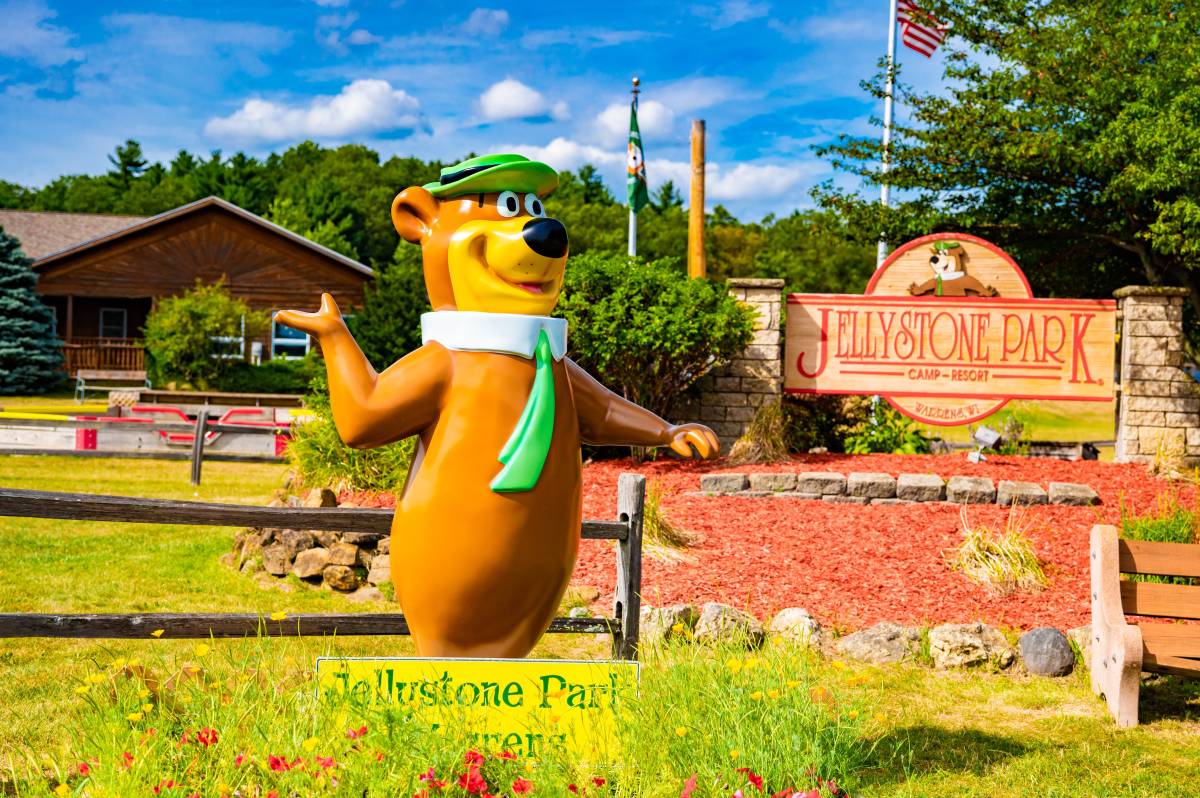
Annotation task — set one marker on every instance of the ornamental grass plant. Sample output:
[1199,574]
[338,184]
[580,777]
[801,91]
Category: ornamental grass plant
[1002,560]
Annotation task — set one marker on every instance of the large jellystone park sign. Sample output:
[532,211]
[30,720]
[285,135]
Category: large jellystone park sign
[948,332]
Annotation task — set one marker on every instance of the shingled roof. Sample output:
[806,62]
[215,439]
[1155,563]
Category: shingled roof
[43,233]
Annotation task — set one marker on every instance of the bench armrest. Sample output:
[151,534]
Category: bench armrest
[1116,661]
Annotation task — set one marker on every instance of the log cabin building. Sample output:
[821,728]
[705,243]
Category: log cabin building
[102,274]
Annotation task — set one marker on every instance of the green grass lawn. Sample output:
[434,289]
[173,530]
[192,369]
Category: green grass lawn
[1044,421]
[884,731]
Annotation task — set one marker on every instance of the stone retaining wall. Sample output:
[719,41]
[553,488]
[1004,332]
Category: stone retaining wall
[1159,402]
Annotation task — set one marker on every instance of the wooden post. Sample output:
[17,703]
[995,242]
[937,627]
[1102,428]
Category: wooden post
[631,499]
[696,265]
[70,320]
[198,444]
[1116,664]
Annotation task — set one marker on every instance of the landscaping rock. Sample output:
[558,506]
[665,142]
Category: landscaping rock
[847,499]
[883,642]
[296,541]
[340,577]
[276,560]
[310,563]
[343,554]
[1073,494]
[752,494]
[381,570]
[1019,493]
[772,482]
[720,622]
[1081,636]
[384,546]
[723,483]
[320,497]
[890,502]
[364,594]
[791,494]
[921,488]
[326,539]
[579,612]
[871,485]
[797,625]
[364,538]
[826,483]
[657,623]
[1047,652]
[970,490]
[958,645]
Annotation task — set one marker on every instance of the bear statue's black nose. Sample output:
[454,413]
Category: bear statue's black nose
[546,237]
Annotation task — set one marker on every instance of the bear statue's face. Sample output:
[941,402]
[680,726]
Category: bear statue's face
[496,253]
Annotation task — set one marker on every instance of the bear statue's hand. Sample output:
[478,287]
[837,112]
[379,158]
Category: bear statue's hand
[326,320]
[685,437]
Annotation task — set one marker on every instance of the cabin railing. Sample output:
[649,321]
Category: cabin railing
[114,354]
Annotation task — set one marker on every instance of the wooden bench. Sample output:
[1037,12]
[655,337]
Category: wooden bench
[1122,650]
[623,625]
[86,380]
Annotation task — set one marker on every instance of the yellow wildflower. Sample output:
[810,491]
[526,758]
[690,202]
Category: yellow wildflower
[133,663]
[677,628]
[681,731]
[773,694]
[752,663]
[202,650]
[310,743]
[147,707]
[854,681]
[83,689]
[756,695]
[93,678]
[734,665]
[157,632]
[852,714]
[838,665]
[117,664]
[278,616]
[62,789]
[134,716]
[880,717]
[793,684]
[530,764]
[734,753]
[143,694]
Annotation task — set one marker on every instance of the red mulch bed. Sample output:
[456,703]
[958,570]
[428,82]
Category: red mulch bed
[853,566]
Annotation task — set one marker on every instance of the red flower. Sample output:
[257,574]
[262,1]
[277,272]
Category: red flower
[430,778]
[126,760]
[379,756]
[84,768]
[354,734]
[326,762]
[689,787]
[193,795]
[599,782]
[522,786]
[421,794]
[472,781]
[752,777]
[164,785]
[572,788]
[273,794]
[280,764]
[206,737]
[506,755]
[239,760]
[473,758]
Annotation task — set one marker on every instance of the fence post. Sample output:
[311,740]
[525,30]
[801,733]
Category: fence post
[198,445]
[631,499]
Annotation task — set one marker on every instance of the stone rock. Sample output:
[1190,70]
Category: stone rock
[890,502]
[797,625]
[970,490]
[364,594]
[363,538]
[276,560]
[251,565]
[1047,652]
[320,497]
[381,570]
[826,483]
[384,546]
[252,545]
[294,501]
[772,482]
[883,642]
[296,541]
[723,483]
[579,612]
[326,538]
[364,559]
[958,645]
[343,554]
[657,623]
[720,622]
[871,485]
[1019,493]
[1081,636]
[847,499]
[277,503]
[340,577]
[752,494]
[1071,493]
[791,494]
[310,563]
[921,488]
[229,560]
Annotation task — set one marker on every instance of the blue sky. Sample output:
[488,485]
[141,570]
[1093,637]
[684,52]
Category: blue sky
[440,79]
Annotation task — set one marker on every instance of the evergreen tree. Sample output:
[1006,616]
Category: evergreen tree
[128,164]
[30,355]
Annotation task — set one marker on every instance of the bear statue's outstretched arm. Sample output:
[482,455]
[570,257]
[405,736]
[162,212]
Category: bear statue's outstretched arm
[371,409]
[606,419]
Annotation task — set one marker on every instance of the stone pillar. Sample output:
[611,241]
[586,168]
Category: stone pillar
[1160,403]
[730,395]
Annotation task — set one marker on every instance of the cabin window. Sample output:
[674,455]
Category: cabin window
[112,322]
[288,342]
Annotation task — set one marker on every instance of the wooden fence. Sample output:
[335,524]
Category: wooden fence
[623,625]
[121,354]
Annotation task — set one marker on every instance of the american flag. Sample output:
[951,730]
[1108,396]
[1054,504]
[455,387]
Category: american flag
[918,30]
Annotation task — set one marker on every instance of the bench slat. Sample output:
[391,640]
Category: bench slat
[90,507]
[204,625]
[100,374]
[1163,559]
[1161,601]
[1170,639]
[1175,666]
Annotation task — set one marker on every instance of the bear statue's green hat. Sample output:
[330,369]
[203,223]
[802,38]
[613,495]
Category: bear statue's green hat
[486,174]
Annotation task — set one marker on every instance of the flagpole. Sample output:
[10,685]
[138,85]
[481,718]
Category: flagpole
[632,213]
[882,251]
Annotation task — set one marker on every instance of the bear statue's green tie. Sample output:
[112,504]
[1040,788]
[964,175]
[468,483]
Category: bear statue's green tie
[525,454]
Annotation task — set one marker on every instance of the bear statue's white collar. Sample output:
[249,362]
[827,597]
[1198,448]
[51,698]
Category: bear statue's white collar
[951,275]
[508,333]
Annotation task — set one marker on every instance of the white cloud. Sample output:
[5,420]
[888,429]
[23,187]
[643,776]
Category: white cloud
[332,3]
[364,106]
[487,22]
[361,36]
[581,38]
[512,99]
[654,119]
[28,34]
[564,154]
[732,12]
[851,27]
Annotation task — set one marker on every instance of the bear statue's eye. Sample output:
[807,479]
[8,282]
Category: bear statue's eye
[534,205]
[508,204]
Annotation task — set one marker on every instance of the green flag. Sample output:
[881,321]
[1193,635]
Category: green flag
[635,165]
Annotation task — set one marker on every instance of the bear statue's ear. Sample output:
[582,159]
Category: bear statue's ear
[413,211]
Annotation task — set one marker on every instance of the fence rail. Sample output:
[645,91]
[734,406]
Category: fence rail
[120,354]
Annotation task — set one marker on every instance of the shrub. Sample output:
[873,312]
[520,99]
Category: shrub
[644,329]
[389,324]
[181,335]
[30,357]
[1001,560]
[321,459]
[886,431]
[1168,522]
[281,375]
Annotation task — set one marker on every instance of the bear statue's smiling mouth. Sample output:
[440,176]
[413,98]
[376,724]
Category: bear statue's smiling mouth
[527,286]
